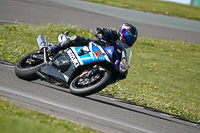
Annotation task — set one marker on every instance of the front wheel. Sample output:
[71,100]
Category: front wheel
[27,67]
[84,86]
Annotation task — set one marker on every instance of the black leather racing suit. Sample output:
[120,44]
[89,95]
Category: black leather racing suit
[103,36]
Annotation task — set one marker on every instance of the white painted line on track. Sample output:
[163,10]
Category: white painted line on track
[59,105]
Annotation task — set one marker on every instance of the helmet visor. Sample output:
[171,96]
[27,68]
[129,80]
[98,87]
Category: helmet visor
[130,39]
[125,32]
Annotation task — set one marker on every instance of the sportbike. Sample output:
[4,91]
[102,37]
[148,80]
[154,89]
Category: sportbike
[85,70]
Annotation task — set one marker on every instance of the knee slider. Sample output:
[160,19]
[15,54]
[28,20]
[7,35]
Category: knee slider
[74,38]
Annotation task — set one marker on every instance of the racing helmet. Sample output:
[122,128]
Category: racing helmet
[128,33]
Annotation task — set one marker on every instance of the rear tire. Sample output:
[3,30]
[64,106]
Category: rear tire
[89,90]
[24,72]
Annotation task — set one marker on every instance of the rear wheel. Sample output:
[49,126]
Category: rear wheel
[27,67]
[83,85]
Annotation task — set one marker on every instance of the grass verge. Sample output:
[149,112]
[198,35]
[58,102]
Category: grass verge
[164,74]
[156,6]
[14,119]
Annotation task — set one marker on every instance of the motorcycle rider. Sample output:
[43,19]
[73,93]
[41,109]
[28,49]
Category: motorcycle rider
[126,33]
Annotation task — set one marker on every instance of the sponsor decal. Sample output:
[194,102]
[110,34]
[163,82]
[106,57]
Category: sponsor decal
[73,57]
[98,54]
[104,54]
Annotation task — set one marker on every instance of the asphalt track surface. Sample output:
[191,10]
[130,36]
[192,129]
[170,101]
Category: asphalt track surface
[101,113]
[98,112]
[89,15]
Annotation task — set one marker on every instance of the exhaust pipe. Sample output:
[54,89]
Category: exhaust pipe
[41,76]
[41,42]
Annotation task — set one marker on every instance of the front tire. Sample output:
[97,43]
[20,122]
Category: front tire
[27,72]
[85,90]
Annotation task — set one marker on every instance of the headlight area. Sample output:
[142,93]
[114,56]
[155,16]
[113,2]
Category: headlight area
[123,66]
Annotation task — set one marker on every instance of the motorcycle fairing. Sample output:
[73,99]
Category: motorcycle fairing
[52,71]
[114,54]
[49,69]
[92,53]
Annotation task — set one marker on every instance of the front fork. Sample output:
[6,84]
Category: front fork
[89,72]
[45,54]
[42,44]
[95,70]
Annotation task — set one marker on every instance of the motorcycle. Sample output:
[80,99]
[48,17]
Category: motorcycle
[85,70]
